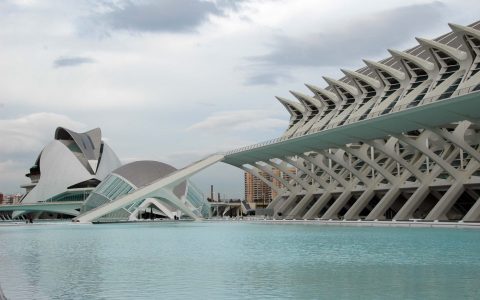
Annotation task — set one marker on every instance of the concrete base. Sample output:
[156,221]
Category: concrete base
[359,223]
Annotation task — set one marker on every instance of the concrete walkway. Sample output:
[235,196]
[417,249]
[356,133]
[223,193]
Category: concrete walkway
[417,224]
[151,190]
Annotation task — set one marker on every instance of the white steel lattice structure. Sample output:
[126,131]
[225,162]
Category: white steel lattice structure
[395,140]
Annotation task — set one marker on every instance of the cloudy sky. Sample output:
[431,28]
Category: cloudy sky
[175,80]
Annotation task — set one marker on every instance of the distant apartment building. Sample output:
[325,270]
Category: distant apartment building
[257,193]
[10,199]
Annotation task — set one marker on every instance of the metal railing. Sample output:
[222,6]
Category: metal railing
[371,115]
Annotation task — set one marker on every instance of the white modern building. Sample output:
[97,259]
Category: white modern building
[397,139]
[67,170]
[77,172]
[184,201]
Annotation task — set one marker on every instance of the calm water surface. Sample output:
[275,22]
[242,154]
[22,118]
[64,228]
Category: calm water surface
[208,260]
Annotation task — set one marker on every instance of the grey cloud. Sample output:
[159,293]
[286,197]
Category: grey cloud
[365,37]
[231,4]
[32,131]
[7,7]
[161,16]
[72,61]
[268,78]
[26,136]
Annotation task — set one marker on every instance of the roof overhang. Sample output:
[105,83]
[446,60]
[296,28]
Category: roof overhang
[466,107]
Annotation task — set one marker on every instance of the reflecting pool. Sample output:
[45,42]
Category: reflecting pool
[228,260]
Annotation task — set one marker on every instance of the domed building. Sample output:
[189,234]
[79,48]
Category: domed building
[77,172]
[67,170]
[184,200]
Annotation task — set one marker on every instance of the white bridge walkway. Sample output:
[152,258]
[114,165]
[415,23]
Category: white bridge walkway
[166,183]
[63,207]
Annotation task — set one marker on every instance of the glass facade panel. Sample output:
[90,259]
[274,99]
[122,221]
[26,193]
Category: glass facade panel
[196,199]
[114,187]
[109,190]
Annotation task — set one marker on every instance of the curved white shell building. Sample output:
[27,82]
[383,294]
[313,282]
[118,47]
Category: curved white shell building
[69,168]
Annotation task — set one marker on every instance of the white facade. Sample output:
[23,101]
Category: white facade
[398,139]
[184,199]
[395,140]
[69,167]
